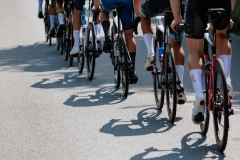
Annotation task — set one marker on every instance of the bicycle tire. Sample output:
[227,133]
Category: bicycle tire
[46,22]
[81,57]
[171,89]
[123,65]
[220,112]
[62,46]
[58,43]
[158,92]
[71,42]
[205,124]
[91,51]
[112,53]
[67,41]
[115,61]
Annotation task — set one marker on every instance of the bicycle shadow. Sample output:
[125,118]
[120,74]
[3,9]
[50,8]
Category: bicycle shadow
[148,121]
[103,96]
[69,80]
[191,148]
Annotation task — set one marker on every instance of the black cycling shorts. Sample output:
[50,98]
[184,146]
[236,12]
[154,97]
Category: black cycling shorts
[78,4]
[195,16]
[152,8]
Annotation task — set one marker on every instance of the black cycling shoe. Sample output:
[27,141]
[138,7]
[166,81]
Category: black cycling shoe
[107,45]
[133,78]
[52,33]
[60,30]
[40,15]
[198,118]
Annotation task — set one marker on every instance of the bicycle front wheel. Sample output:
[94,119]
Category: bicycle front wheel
[157,74]
[171,94]
[91,50]
[220,106]
[205,124]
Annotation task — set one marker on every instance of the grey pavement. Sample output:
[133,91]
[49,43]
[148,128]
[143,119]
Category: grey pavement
[49,111]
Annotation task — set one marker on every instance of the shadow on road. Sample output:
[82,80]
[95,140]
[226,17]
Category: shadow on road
[191,148]
[103,96]
[69,80]
[148,121]
[38,57]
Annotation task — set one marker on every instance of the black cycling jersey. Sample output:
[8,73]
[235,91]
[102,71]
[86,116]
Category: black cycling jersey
[195,16]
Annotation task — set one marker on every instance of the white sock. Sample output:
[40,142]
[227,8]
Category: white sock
[40,5]
[76,34]
[98,30]
[226,59]
[148,38]
[196,76]
[60,18]
[52,21]
[180,72]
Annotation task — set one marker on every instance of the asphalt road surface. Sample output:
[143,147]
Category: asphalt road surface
[49,111]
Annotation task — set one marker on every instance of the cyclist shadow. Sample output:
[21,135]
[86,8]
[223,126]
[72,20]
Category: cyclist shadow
[68,81]
[103,96]
[148,121]
[191,149]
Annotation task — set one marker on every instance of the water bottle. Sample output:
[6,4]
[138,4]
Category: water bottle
[83,19]
[84,27]
[160,54]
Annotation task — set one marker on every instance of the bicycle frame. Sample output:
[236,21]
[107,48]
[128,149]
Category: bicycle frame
[210,37]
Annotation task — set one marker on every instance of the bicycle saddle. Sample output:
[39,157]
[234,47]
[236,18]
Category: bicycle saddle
[118,6]
[165,10]
[215,12]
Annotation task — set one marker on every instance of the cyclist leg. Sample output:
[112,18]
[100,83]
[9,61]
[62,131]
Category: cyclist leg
[195,23]
[106,6]
[40,14]
[59,10]
[128,24]
[150,9]
[223,46]
[97,26]
[179,56]
[52,16]
[78,7]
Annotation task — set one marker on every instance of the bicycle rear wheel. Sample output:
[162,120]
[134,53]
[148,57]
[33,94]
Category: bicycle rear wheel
[81,57]
[91,50]
[220,106]
[158,91]
[123,61]
[171,94]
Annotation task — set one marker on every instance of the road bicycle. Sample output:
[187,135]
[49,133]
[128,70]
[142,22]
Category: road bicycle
[68,39]
[165,80]
[217,99]
[47,27]
[46,20]
[89,46]
[120,58]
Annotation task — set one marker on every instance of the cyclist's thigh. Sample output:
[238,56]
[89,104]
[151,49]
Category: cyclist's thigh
[127,15]
[78,4]
[195,18]
[225,4]
[153,8]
